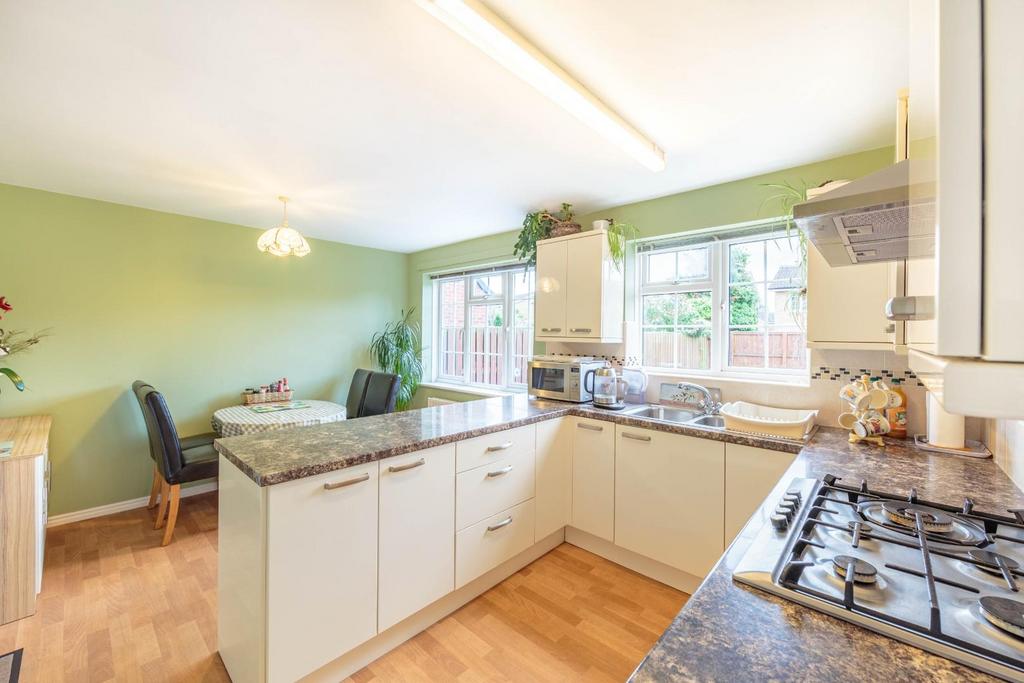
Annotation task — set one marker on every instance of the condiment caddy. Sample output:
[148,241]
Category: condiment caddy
[277,390]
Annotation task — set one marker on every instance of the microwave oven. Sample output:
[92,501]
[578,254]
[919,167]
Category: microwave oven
[561,379]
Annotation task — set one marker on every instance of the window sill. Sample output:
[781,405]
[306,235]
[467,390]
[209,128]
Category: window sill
[467,389]
[731,378]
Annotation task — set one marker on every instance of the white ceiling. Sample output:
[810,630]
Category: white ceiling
[389,130]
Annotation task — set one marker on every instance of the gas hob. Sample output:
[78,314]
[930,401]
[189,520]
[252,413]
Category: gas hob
[945,578]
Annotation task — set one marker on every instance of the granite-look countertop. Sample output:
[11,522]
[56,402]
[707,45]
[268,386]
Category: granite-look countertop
[283,455]
[731,632]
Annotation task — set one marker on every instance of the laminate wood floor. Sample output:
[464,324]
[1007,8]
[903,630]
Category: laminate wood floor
[116,606]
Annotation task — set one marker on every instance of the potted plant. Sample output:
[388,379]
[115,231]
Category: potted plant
[788,196]
[12,342]
[397,350]
[540,225]
[618,235]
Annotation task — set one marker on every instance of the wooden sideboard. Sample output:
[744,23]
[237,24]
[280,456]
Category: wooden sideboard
[24,487]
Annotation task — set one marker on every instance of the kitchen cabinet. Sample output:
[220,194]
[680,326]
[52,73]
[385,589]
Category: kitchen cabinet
[846,304]
[553,497]
[486,490]
[593,477]
[750,475]
[580,292]
[549,298]
[417,529]
[321,568]
[670,497]
[483,546]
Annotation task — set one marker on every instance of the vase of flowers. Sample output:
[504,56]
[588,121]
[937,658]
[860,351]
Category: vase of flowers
[13,342]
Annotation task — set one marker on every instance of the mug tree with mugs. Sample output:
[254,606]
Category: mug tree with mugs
[870,400]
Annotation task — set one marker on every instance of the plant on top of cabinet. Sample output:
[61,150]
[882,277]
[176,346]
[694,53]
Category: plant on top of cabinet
[397,350]
[618,235]
[540,225]
[15,341]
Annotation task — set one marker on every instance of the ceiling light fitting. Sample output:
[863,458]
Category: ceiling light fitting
[479,25]
[283,240]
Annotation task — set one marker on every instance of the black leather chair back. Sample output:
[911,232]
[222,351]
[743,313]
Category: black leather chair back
[356,393]
[169,459]
[140,389]
[381,394]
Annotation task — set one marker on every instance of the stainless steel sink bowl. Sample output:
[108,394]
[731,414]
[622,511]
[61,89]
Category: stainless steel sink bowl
[664,413]
[713,421]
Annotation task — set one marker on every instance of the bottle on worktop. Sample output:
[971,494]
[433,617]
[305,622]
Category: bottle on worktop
[896,412]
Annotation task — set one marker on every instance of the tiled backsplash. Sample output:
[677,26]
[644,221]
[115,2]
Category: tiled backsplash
[1005,438]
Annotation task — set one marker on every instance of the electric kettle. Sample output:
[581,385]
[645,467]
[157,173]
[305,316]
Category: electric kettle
[608,388]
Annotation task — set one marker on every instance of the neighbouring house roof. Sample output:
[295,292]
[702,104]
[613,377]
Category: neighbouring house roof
[786,277]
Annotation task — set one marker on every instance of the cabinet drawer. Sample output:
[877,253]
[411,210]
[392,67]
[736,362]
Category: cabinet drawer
[488,543]
[484,450]
[487,490]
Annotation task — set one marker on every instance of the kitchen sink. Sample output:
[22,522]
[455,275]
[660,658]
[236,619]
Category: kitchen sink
[714,421]
[664,413]
[677,415]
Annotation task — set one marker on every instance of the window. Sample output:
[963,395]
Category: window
[730,302]
[484,327]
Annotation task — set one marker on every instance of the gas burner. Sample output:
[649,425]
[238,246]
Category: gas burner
[1004,613]
[934,521]
[993,562]
[863,572]
[939,526]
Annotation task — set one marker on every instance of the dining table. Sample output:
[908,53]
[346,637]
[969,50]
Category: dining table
[266,417]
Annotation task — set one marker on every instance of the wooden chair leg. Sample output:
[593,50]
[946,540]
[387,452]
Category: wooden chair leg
[155,489]
[172,513]
[165,489]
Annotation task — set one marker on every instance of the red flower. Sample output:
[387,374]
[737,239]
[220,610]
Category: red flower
[4,306]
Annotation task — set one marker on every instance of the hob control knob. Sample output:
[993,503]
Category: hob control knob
[780,522]
[793,494]
[787,512]
[793,498]
[787,505]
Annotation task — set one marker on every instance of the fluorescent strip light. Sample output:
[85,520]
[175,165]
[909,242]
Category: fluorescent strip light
[479,25]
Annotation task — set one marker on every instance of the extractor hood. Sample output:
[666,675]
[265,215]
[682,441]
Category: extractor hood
[869,220]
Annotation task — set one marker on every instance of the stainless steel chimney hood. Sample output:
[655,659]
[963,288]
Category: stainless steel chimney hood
[869,219]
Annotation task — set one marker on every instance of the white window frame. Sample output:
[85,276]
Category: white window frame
[718,283]
[508,300]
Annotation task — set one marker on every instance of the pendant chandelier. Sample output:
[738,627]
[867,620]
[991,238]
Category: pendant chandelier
[282,240]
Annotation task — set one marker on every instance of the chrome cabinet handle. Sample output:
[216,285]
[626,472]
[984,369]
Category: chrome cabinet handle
[635,437]
[407,466]
[551,329]
[497,473]
[579,329]
[331,485]
[507,444]
[504,522]
[593,428]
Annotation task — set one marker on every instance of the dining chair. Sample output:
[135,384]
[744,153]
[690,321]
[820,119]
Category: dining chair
[381,394]
[177,460]
[356,393]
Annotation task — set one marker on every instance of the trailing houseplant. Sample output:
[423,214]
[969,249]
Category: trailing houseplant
[618,235]
[12,342]
[539,225]
[787,196]
[397,350]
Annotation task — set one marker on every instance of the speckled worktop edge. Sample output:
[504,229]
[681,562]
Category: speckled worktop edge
[284,455]
[729,631]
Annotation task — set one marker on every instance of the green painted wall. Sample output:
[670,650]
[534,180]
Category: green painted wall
[724,204]
[187,304]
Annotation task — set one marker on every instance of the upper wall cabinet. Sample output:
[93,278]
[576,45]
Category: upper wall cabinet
[580,291]
[846,304]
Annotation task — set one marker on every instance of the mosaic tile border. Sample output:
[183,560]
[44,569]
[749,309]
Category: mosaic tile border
[845,375]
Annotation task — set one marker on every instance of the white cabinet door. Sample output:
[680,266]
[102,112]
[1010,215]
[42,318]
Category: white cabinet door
[670,497]
[593,477]
[549,309]
[584,291]
[553,499]
[846,305]
[750,475]
[321,569]
[417,530]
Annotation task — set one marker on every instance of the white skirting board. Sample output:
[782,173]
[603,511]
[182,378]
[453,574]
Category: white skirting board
[114,508]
